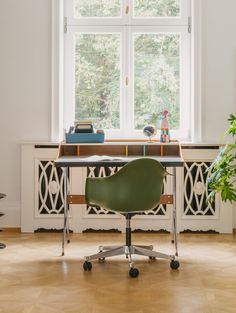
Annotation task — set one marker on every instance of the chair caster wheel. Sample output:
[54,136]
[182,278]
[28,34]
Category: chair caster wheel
[133,272]
[87,266]
[68,241]
[152,258]
[101,259]
[174,264]
[2,246]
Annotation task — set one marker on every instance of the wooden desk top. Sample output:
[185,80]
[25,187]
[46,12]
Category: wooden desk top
[118,154]
[75,161]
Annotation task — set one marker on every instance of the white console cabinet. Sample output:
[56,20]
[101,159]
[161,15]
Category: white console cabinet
[42,195]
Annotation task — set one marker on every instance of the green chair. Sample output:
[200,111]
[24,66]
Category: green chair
[135,188]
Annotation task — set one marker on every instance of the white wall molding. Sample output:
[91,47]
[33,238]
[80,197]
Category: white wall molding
[57,56]
[196,70]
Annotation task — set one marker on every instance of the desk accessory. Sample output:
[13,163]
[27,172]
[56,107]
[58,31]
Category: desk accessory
[149,131]
[83,127]
[85,138]
[165,132]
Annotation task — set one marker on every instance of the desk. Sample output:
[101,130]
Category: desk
[79,155]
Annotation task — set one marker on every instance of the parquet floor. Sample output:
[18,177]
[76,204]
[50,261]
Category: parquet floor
[36,279]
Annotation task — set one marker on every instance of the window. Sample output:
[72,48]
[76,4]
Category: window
[125,62]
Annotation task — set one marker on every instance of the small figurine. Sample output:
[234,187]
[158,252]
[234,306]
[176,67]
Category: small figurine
[165,132]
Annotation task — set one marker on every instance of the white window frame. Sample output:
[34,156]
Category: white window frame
[182,134]
[128,19]
[69,114]
[194,76]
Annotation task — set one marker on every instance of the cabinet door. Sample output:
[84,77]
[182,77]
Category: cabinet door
[195,213]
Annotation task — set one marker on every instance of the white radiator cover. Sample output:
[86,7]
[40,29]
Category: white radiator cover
[42,196]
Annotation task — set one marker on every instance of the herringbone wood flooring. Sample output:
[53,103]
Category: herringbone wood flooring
[36,279]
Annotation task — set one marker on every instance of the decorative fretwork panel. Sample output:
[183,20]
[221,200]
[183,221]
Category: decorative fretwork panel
[50,184]
[103,171]
[196,190]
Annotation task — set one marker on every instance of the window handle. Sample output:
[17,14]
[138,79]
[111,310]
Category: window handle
[127,10]
[65,24]
[126,81]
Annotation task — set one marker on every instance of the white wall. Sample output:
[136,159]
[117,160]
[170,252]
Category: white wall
[25,61]
[24,90]
[219,67]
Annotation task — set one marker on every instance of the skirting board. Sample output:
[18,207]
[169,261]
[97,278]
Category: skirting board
[11,229]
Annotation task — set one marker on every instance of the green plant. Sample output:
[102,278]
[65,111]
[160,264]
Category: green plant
[223,169]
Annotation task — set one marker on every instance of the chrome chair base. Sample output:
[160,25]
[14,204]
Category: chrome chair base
[128,251]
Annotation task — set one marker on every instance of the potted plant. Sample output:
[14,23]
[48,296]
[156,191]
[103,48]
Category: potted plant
[222,177]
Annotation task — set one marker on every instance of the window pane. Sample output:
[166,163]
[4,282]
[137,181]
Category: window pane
[97,8]
[156,8]
[97,79]
[156,78]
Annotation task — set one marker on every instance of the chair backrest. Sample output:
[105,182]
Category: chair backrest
[136,187]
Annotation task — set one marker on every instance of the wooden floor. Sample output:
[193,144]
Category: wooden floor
[36,279]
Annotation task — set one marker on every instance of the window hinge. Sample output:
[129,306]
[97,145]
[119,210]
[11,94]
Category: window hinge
[65,24]
[126,81]
[189,25]
[127,10]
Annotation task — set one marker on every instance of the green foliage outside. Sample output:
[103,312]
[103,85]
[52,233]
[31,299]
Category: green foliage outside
[97,83]
[112,8]
[223,170]
[97,8]
[156,84]
[152,8]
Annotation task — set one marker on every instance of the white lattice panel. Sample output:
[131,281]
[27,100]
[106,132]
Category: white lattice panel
[49,188]
[194,213]
[196,191]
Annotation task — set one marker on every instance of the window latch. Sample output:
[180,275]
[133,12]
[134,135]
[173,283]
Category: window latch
[189,25]
[65,24]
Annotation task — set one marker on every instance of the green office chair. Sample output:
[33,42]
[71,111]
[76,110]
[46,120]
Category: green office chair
[135,188]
